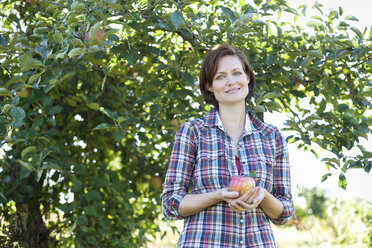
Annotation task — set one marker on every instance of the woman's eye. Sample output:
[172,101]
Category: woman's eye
[219,77]
[238,73]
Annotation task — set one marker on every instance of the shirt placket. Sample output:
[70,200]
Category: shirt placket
[242,216]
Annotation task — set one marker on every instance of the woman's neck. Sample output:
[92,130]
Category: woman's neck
[232,116]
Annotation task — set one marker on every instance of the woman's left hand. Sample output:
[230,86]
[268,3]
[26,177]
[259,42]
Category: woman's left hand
[249,200]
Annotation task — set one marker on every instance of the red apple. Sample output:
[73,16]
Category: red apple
[241,184]
[24,92]
[99,35]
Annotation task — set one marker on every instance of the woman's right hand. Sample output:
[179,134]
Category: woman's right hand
[227,195]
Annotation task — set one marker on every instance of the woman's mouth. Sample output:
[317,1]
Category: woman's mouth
[231,91]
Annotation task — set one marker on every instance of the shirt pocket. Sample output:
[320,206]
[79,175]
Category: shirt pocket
[210,172]
[264,173]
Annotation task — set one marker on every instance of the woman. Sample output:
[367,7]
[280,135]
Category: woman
[229,140]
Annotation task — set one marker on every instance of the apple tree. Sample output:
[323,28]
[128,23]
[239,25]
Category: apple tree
[91,94]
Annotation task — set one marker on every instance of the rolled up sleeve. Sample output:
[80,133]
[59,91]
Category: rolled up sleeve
[282,180]
[179,173]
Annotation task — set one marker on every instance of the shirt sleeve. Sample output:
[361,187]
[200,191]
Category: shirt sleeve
[282,180]
[179,173]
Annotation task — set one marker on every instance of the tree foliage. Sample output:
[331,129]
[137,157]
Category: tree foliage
[92,92]
[340,222]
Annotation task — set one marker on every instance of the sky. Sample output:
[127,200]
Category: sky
[306,169]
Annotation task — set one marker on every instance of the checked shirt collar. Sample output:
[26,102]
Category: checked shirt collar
[213,119]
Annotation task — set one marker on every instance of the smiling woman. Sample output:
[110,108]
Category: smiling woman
[228,141]
[230,85]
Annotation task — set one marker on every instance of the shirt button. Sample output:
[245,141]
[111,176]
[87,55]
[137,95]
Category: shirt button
[241,220]
[241,242]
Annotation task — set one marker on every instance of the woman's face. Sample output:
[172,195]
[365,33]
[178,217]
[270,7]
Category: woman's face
[230,84]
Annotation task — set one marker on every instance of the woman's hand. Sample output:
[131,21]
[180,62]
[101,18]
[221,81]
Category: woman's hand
[227,195]
[249,200]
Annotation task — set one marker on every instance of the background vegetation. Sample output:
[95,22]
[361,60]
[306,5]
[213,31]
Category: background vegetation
[92,92]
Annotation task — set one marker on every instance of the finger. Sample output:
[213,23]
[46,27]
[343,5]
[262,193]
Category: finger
[246,206]
[236,206]
[247,194]
[233,194]
[251,196]
[229,194]
[258,198]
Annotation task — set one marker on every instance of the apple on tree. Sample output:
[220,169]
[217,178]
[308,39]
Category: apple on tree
[24,92]
[98,36]
[155,181]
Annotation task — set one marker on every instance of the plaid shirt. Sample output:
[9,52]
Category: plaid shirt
[203,160]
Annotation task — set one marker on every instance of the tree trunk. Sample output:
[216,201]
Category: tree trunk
[34,233]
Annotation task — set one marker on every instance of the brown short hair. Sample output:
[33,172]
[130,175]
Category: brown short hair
[209,68]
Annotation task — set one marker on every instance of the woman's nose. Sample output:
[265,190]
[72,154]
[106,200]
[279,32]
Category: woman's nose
[230,80]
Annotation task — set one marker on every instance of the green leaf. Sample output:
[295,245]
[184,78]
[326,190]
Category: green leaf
[51,122]
[342,183]
[29,149]
[77,51]
[268,95]
[14,40]
[6,108]
[91,210]
[3,41]
[176,18]
[27,62]
[352,18]
[25,165]
[67,207]
[93,195]
[34,77]
[340,10]
[342,107]
[5,92]
[83,223]
[188,77]
[119,135]
[103,125]
[259,108]
[94,106]
[58,36]
[18,114]
[272,106]
[315,53]
[14,80]
[252,174]
[322,106]
[76,184]
[297,74]
[298,94]
[325,177]
[230,13]
[55,110]
[357,32]
[131,56]
[3,196]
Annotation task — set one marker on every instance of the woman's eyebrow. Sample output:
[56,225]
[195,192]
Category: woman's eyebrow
[222,72]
